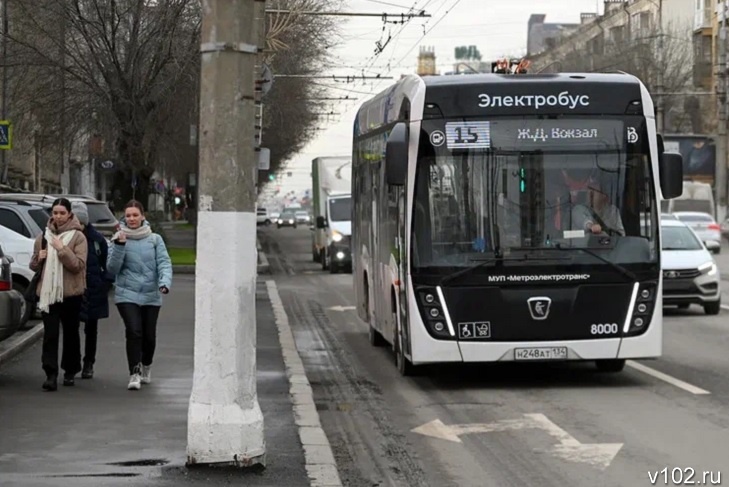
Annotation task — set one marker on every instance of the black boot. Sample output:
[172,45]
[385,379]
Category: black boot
[69,379]
[51,383]
[88,371]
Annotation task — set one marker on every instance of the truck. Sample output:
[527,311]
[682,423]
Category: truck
[331,208]
[696,196]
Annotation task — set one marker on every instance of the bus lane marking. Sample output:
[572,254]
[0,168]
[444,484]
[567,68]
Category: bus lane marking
[667,378]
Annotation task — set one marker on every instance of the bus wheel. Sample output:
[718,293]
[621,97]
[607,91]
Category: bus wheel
[376,339]
[611,365]
[404,366]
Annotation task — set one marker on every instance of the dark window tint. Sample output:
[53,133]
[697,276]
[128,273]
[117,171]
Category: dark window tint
[40,217]
[99,213]
[10,220]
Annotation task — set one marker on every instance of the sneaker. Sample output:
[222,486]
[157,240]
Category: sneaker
[135,382]
[87,372]
[146,374]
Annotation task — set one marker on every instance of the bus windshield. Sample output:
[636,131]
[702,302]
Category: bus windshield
[522,191]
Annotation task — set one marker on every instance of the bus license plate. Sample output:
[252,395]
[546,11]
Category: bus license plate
[542,353]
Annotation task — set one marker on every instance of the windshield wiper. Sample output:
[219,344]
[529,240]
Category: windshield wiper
[490,260]
[617,267]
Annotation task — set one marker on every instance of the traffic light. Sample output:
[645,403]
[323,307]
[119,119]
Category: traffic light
[522,180]
[271,177]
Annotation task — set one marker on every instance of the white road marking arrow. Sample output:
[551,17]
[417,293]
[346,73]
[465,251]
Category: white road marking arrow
[342,308]
[599,455]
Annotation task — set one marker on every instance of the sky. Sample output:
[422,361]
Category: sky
[498,28]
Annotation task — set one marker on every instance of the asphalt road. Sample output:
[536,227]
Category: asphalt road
[520,425]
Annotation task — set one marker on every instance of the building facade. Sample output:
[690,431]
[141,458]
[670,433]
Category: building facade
[542,36]
[652,39]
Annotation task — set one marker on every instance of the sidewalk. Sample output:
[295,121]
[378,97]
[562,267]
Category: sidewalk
[98,433]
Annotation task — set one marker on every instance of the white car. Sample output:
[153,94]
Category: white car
[690,275]
[708,230]
[262,217]
[20,249]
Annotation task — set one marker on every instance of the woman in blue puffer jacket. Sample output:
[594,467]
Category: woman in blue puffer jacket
[143,270]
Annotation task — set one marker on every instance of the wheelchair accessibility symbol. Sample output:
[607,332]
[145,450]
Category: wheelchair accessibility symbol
[437,138]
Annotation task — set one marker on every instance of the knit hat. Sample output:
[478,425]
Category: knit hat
[81,211]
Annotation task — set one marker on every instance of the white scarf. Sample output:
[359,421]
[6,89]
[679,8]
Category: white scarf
[52,286]
[134,233]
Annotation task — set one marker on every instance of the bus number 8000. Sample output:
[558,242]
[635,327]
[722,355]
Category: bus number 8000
[604,329]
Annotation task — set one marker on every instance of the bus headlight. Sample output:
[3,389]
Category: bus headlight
[640,318]
[337,237]
[434,313]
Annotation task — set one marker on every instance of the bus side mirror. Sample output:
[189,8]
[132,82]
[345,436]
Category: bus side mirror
[321,222]
[396,155]
[670,168]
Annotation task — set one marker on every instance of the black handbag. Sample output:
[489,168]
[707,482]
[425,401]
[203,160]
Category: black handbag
[31,292]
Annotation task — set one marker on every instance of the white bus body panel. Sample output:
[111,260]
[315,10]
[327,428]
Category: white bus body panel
[425,348]
[650,343]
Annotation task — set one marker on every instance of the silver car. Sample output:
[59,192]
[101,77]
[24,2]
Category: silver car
[707,229]
[690,275]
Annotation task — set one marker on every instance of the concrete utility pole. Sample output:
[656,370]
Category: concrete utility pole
[720,178]
[225,423]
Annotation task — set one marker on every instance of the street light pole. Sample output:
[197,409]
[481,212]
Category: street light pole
[225,423]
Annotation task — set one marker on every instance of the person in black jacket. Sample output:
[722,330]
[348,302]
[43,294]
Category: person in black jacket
[96,300]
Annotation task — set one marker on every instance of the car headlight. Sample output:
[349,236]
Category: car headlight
[280,220]
[709,268]
[291,221]
[337,237]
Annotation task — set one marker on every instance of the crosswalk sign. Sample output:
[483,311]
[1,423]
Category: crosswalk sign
[6,135]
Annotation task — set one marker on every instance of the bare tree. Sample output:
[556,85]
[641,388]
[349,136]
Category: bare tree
[129,71]
[297,44]
[640,55]
[124,60]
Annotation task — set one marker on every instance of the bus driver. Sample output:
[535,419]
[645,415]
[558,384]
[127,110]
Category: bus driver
[599,216]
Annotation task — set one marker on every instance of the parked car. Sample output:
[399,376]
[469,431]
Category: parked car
[20,249]
[100,216]
[705,227]
[287,219]
[26,219]
[690,275]
[12,303]
[262,217]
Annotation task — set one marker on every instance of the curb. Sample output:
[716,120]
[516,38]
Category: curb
[18,343]
[263,265]
[320,464]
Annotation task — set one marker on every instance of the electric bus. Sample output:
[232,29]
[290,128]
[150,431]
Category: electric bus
[511,217]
